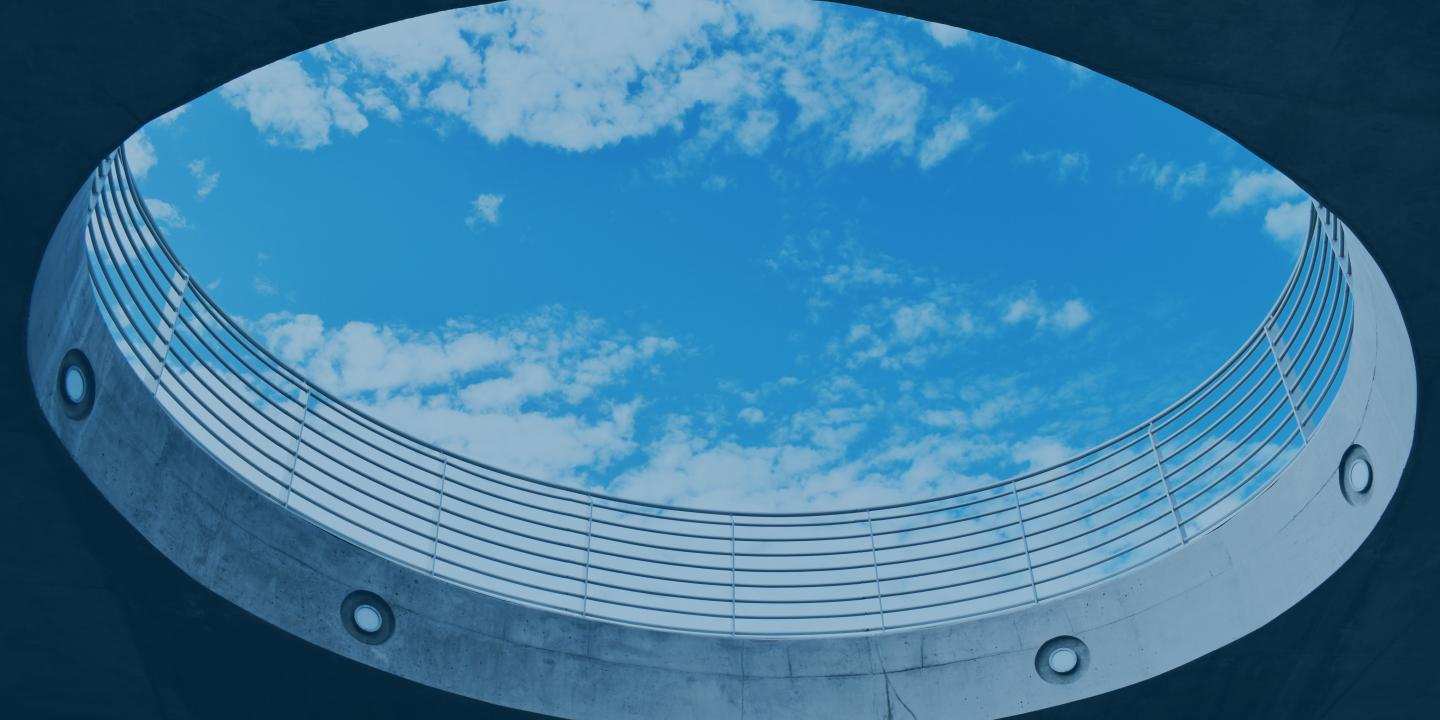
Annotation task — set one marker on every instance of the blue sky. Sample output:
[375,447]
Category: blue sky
[752,254]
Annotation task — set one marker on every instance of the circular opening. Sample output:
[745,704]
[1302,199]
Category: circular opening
[75,386]
[1359,476]
[1063,660]
[367,618]
[853,344]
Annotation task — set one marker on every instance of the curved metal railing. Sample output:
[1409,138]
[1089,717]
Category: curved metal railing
[1113,507]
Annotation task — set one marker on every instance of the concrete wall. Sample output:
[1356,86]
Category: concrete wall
[266,559]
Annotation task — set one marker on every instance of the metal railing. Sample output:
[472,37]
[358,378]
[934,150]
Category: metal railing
[1103,512]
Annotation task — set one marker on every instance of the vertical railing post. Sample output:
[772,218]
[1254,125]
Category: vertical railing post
[295,455]
[875,565]
[1020,519]
[169,319]
[1164,480]
[439,512]
[1275,357]
[589,536]
[733,603]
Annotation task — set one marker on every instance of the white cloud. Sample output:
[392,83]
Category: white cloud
[1289,222]
[286,104]
[1168,177]
[365,358]
[205,180]
[581,76]
[1251,188]
[376,101]
[1288,216]
[413,50]
[948,35]
[485,208]
[166,214]
[949,419]
[897,334]
[955,131]
[549,395]
[140,153]
[858,272]
[264,287]
[1021,309]
[525,394]
[169,118]
[1041,452]
[1065,164]
[1078,75]
[1069,316]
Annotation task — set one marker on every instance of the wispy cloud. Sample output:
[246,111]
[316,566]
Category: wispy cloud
[1068,316]
[291,107]
[140,153]
[1064,164]
[166,214]
[954,131]
[1078,75]
[485,209]
[1171,178]
[1289,222]
[1251,188]
[1287,217]
[558,74]
[949,36]
[205,180]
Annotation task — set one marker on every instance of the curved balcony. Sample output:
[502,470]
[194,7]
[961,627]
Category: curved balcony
[144,578]
[1137,497]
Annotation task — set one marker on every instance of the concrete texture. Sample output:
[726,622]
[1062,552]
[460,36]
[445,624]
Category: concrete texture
[236,540]
[1337,95]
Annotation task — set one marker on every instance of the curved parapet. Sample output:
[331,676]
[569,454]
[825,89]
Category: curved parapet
[1174,538]
[989,548]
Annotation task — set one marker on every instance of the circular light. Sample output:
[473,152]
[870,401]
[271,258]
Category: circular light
[1358,479]
[367,618]
[75,386]
[1063,660]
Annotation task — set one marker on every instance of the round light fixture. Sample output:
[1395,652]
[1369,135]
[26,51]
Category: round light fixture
[1063,660]
[76,388]
[75,385]
[367,618]
[1359,476]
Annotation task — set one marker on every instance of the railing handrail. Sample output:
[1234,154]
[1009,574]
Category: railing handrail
[1077,508]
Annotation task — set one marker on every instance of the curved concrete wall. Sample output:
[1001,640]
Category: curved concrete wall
[292,574]
[1338,95]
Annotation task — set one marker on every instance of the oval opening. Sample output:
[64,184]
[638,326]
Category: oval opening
[877,425]
[820,248]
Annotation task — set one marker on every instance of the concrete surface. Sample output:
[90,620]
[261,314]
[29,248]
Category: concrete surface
[1338,95]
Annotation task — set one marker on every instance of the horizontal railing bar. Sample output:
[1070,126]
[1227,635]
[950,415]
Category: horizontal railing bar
[502,522]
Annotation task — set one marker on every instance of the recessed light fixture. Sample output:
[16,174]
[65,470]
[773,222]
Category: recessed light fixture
[1357,476]
[367,617]
[75,385]
[1062,660]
